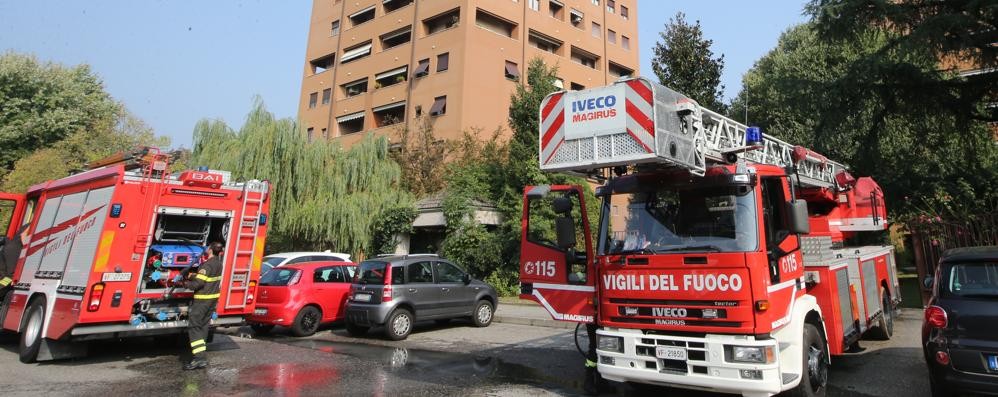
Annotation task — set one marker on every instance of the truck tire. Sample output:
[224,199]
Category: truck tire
[356,330]
[814,377]
[31,330]
[307,321]
[885,325]
[483,314]
[399,324]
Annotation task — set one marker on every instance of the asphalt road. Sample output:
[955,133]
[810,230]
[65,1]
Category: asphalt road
[453,359]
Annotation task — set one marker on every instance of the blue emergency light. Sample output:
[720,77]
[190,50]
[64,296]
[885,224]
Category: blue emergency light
[263,219]
[753,136]
[202,168]
[115,210]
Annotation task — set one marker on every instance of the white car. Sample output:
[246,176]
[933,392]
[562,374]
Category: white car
[274,260]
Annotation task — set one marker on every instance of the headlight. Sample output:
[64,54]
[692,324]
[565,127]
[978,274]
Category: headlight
[749,354]
[610,343]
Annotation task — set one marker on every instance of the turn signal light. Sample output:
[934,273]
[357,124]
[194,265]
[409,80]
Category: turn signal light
[936,317]
[762,305]
[96,293]
[252,291]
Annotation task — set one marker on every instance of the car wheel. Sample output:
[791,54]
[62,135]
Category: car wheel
[262,329]
[885,325]
[483,314]
[399,324]
[31,331]
[356,330]
[307,321]
[814,378]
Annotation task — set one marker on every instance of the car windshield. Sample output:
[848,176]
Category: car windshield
[278,277]
[683,217]
[273,261]
[371,272]
[972,280]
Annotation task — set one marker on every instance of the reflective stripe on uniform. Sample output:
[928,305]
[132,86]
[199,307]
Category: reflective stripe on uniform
[197,350]
[207,279]
[590,363]
[5,281]
[206,296]
[199,342]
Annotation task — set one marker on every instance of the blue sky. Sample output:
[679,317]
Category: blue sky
[175,62]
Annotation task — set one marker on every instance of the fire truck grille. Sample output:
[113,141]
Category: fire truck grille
[697,323]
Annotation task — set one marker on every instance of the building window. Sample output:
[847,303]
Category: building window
[620,71]
[577,87]
[396,38]
[443,62]
[423,68]
[362,16]
[597,30]
[596,3]
[391,77]
[389,114]
[543,42]
[323,64]
[443,21]
[334,28]
[325,135]
[534,4]
[494,24]
[392,5]
[611,36]
[313,99]
[610,6]
[576,17]
[308,133]
[439,106]
[584,57]
[355,88]
[623,12]
[351,123]
[327,95]
[625,42]
[356,52]
[512,72]
[556,9]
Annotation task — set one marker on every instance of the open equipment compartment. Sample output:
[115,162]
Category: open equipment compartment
[178,241]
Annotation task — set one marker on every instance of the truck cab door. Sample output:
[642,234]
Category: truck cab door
[11,210]
[556,253]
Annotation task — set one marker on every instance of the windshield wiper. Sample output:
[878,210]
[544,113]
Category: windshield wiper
[693,248]
[645,251]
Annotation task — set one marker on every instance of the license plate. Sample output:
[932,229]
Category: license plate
[110,277]
[362,297]
[670,353]
[993,363]
[260,312]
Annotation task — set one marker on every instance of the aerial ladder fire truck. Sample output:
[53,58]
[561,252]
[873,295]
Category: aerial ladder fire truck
[104,247]
[722,260]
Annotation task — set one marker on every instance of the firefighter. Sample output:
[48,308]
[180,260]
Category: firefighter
[205,284]
[8,260]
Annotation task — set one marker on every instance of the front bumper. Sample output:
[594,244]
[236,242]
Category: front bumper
[704,369]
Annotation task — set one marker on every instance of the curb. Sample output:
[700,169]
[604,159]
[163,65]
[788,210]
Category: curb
[535,322]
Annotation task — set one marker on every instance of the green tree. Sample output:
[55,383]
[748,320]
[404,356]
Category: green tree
[324,197]
[44,103]
[802,92]
[684,62]
[421,156]
[950,32]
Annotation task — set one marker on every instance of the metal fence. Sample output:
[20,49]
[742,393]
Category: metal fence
[931,236]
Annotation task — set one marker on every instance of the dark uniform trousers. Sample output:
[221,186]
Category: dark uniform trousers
[206,285]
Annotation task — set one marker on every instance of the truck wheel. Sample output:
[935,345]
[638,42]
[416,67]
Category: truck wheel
[307,321]
[356,330]
[815,374]
[483,314]
[885,326]
[262,329]
[31,330]
[399,324]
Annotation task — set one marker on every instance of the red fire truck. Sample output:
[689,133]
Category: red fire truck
[105,245]
[723,260]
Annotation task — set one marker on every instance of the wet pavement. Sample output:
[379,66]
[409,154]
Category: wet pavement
[452,359]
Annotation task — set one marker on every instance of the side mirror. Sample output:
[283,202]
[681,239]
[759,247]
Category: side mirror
[466,278]
[927,283]
[565,229]
[797,209]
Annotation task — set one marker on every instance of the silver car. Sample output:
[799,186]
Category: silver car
[396,291]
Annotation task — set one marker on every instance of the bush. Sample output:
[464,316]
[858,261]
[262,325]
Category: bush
[506,283]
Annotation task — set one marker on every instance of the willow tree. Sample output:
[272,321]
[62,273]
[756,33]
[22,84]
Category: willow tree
[324,196]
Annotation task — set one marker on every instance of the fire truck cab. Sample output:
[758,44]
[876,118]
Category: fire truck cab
[722,260]
[104,247]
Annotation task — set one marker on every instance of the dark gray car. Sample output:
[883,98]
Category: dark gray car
[396,291]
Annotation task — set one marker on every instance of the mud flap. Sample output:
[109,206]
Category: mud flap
[60,350]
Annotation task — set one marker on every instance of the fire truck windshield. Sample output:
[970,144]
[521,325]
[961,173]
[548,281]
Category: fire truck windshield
[680,218]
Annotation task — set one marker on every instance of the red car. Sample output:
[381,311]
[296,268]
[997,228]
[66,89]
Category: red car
[302,296]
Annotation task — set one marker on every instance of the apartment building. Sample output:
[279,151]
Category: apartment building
[373,64]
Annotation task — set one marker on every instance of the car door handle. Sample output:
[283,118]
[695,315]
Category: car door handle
[444,289]
[413,290]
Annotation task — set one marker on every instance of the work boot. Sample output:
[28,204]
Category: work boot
[591,384]
[196,363]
